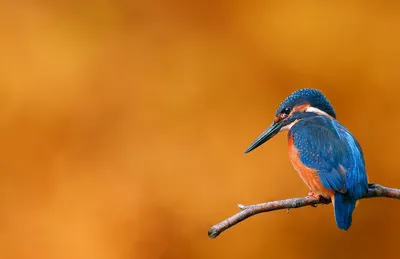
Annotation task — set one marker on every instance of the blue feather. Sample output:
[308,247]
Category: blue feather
[311,96]
[328,147]
[344,208]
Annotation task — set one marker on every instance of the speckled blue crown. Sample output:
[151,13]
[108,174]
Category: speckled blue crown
[311,96]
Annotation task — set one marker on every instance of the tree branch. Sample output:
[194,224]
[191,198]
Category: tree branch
[374,190]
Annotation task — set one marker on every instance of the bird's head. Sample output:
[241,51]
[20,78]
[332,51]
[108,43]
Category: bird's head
[300,104]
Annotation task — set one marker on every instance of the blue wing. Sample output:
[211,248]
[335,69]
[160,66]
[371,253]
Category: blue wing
[327,146]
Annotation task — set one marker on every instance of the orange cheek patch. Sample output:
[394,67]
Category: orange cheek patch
[279,117]
[301,108]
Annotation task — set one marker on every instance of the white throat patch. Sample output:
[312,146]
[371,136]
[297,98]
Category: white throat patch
[317,111]
[289,126]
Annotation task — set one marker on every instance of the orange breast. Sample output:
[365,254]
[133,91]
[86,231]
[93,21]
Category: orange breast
[309,175]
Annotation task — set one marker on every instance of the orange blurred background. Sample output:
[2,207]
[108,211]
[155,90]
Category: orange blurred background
[123,125]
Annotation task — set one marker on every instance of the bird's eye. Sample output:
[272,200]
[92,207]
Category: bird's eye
[286,110]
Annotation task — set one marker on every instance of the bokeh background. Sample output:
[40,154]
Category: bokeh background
[123,125]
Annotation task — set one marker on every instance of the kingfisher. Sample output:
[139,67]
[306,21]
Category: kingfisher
[325,154]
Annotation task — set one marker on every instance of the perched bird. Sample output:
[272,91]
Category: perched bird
[325,154]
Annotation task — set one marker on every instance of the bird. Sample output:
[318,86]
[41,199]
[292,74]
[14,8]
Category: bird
[326,155]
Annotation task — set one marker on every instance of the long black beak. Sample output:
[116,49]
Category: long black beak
[266,135]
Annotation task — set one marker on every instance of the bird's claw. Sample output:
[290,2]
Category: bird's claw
[311,193]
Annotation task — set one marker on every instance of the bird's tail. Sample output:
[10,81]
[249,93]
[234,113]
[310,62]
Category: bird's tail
[344,207]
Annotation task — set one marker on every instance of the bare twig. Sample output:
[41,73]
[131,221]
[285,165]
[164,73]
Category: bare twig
[374,191]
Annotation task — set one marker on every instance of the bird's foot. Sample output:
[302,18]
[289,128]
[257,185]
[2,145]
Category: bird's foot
[311,193]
